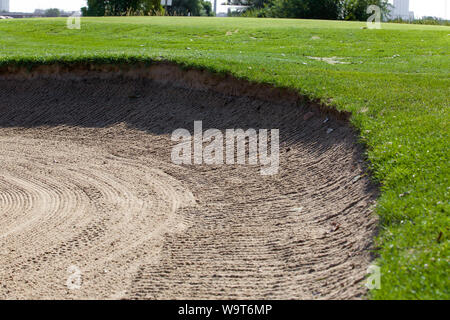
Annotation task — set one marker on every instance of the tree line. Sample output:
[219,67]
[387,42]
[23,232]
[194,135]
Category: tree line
[305,9]
[146,8]
[311,9]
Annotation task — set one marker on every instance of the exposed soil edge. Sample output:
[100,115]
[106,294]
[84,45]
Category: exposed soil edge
[169,72]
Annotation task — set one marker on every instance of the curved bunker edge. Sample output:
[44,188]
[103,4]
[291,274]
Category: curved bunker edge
[305,233]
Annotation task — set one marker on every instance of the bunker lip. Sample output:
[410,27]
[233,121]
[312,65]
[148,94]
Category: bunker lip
[87,181]
[175,74]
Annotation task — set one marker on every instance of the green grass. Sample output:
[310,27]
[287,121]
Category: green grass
[396,85]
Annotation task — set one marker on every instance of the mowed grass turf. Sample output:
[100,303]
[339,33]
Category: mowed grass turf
[395,81]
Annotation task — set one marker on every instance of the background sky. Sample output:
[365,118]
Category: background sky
[438,8]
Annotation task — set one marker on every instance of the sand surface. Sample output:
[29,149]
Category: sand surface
[86,182]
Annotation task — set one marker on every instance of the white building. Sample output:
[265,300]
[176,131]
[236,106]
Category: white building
[4,5]
[400,10]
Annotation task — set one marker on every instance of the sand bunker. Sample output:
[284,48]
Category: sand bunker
[86,181]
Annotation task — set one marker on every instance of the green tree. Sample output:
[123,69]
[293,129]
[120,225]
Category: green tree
[206,8]
[53,12]
[185,7]
[121,7]
[94,8]
[305,9]
[151,7]
[357,9]
[252,4]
